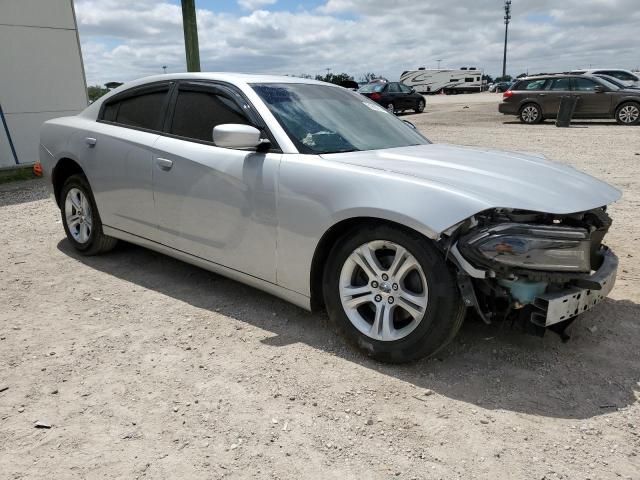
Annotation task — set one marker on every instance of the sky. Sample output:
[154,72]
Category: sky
[127,39]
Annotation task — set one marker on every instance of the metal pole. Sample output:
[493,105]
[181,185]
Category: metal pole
[190,35]
[507,17]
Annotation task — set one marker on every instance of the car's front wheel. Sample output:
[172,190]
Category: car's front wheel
[530,114]
[628,114]
[81,219]
[391,108]
[390,293]
[420,106]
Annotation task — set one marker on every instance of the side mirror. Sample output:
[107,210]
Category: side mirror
[599,89]
[235,135]
[413,90]
[410,124]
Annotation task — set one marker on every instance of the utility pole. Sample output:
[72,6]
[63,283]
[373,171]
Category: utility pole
[507,17]
[190,35]
[164,69]
[439,63]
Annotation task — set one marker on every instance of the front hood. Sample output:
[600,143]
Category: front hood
[497,178]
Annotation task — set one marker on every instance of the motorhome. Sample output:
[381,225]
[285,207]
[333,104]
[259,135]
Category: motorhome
[463,80]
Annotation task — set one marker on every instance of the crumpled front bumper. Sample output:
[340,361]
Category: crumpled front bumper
[552,308]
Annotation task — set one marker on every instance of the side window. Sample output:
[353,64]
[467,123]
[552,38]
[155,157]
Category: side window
[531,84]
[143,111]
[197,112]
[394,88]
[560,84]
[622,75]
[468,79]
[583,85]
[404,88]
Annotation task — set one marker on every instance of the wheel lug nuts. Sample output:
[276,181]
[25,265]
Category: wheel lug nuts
[394,286]
[378,298]
[390,300]
[374,284]
[385,277]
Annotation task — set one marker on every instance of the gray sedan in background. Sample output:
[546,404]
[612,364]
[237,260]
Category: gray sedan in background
[320,196]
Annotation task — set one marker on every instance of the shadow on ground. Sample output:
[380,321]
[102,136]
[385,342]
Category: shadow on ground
[492,366]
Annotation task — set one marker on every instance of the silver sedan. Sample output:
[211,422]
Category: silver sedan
[320,196]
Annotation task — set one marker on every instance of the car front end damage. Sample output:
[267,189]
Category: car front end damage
[543,269]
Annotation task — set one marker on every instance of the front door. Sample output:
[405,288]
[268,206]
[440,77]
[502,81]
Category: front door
[215,203]
[591,104]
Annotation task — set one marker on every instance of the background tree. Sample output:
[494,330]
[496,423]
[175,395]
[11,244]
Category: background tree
[488,78]
[522,75]
[367,77]
[336,78]
[94,92]
[506,78]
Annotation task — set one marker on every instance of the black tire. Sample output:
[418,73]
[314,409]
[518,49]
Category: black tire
[627,108]
[391,108]
[420,106]
[527,112]
[444,311]
[97,241]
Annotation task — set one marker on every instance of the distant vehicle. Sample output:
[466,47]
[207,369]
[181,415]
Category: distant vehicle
[464,80]
[534,99]
[394,96]
[500,87]
[627,77]
[616,82]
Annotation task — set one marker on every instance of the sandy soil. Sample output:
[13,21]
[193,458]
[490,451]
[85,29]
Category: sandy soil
[145,367]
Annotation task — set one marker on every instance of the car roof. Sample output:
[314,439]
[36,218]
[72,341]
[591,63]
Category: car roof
[224,77]
[556,75]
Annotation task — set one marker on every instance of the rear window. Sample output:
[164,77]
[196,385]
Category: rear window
[372,88]
[537,84]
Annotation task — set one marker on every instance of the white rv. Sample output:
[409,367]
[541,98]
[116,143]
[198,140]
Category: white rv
[464,80]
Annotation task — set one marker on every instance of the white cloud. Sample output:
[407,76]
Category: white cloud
[123,40]
[255,4]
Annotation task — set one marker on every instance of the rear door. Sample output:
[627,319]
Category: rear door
[555,89]
[531,91]
[591,104]
[118,159]
[215,203]
[396,96]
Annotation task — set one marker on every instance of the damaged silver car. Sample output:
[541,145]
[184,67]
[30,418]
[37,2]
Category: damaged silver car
[319,196]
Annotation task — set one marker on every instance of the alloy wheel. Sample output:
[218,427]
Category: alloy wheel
[391,108]
[78,215]
[530,114]
[629,114]
[383,290]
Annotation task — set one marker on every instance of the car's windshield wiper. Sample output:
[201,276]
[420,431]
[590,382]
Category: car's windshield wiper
[342,151]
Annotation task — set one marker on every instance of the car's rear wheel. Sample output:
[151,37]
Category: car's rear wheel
[628,114]
[420,106]
[390,293]
[81,219]
[391,108]
[530,114]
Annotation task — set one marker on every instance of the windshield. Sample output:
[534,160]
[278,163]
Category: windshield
[372,87]
[324,119]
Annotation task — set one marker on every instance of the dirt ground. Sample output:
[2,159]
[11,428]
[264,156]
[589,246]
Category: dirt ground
[146,367]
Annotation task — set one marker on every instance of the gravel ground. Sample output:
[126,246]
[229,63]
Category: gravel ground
[145,367]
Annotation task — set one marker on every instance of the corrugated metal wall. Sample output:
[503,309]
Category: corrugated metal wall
[41,71]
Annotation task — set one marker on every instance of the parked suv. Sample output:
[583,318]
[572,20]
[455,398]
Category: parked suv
[534,99]
[630,79]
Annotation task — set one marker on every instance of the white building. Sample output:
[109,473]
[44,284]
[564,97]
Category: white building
[41,73]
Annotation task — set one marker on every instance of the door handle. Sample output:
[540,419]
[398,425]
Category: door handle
[542,94]
[91,142]
[164,163]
